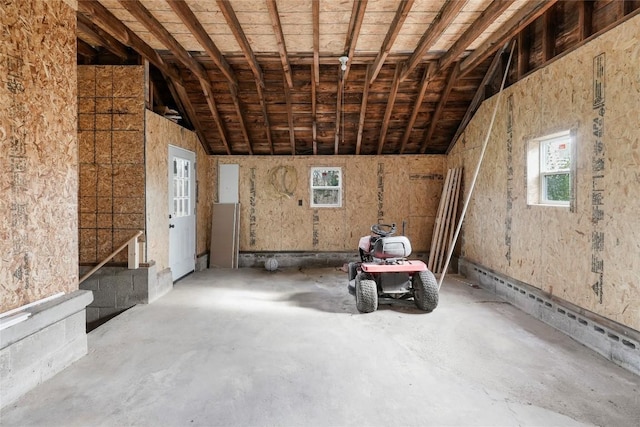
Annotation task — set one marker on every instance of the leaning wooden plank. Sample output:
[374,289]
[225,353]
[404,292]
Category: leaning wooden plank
[456,197]
[448,221]
[437,234]
[445,224]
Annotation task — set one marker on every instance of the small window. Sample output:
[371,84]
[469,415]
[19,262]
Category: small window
[550,170]
[326,187]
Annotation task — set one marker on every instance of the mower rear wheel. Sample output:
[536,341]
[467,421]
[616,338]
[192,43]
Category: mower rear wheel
[366,294]
[425,291]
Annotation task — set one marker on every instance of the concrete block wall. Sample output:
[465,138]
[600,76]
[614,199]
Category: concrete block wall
[116,289]
[612,340]
[36,349]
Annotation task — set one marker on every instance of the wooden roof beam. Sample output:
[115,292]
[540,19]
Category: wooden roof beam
[585,19]
[265,116]
[339,109]
[100,16]
[88,31]
[363,110]
[314,124]
[401,14]
[548,34]
[232,20]
[447,14]
[181,97]
[486,18]
[530,12]
[86,50]
[145,17]
[453,76]
[355,24]
[316,41]
[282,46]
[197,30]
[136,8]
[292,132]
[424,84]
[478,97]
[390,103]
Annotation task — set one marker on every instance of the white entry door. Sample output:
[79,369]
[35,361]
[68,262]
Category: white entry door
[182,212]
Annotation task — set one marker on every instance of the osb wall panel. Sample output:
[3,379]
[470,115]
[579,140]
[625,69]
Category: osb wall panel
[375,189]
[38,165]
[589,257]
[111,159]
[159,134]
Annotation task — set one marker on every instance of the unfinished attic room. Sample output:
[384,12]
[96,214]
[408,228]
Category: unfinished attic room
[319,213]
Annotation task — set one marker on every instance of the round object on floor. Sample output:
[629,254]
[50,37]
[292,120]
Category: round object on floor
[271,264]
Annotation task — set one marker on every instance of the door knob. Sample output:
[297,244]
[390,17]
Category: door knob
[172,226]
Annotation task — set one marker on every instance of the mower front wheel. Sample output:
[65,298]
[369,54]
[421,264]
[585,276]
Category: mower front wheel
[366,295]
[425,291]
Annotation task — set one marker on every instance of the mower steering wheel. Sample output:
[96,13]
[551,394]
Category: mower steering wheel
[391,229]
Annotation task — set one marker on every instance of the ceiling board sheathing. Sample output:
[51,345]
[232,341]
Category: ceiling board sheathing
[271,79]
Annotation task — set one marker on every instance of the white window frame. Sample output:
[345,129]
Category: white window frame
[537,173]
[313,187]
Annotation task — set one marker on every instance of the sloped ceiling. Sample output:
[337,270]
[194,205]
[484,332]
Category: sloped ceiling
[264,76]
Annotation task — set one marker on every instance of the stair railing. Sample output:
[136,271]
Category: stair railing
[133,261]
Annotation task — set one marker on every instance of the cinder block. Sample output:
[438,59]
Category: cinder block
[93,314]
[5,362]
[104,298]
[91,284]
[119,280]
[108,311]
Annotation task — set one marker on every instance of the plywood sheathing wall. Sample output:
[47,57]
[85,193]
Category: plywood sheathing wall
[556,250]
[38,166]
[376,189]
[111,157]
[160,133]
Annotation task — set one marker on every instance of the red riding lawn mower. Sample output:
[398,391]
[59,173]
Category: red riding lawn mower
[385,272]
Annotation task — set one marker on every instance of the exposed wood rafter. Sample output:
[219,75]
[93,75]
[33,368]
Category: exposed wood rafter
[95,35]
[282,46]
[314,124]
[453,76]
[355,24]
[387,112]
[548,34]
[524,51]
[339,96]
[265,116]
[529,13]
[449,11]
[100,16]
[486,18]
[363,110]
[401,14]
[316,42]
[424,84]
[479,96]
[232,20]
[86,50]
[137,9]
[585,19]
[292,134]
[193,24]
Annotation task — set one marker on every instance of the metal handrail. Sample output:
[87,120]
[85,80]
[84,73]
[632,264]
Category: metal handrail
[133,253]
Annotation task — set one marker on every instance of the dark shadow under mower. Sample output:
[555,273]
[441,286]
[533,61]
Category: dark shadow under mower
[385,272]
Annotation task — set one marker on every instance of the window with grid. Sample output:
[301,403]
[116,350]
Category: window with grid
[181,187]
[326,187]
[550,169]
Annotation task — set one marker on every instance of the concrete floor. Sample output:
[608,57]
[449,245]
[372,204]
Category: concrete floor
[248,347]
